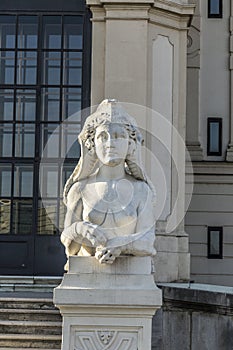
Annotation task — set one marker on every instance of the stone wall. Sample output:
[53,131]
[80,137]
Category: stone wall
[194,317]
[211,205]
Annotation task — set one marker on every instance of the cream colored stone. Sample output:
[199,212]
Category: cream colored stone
[229,156]
[109,198]
[106,304]
[123,37]
[193,88]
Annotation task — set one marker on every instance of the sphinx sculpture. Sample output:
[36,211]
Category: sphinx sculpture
[109,198]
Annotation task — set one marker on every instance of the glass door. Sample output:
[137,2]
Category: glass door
[44,79]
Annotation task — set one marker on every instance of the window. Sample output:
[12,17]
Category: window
[44,79]
[214,136]
[215,242]
[214,8]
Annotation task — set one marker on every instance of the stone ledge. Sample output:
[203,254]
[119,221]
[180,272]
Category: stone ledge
[208,298]
[127,282]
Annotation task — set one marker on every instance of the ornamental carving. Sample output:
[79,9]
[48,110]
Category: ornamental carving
[105,340]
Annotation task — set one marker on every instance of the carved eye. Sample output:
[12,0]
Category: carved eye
[103,136]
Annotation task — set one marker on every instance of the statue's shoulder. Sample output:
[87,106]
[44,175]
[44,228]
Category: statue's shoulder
[141,186]
[143,192]
[75,191]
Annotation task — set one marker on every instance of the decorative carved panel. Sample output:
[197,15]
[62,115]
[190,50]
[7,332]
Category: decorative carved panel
[105,340]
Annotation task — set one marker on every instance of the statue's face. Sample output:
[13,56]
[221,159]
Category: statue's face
[111,143]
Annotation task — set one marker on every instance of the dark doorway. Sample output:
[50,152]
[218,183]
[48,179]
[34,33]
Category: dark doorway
[44,79]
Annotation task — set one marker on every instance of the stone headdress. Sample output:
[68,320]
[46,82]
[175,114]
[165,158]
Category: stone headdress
[109,111]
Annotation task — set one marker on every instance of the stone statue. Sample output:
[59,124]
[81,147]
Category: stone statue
[109,197]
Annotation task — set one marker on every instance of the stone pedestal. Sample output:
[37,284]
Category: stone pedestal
[107,306]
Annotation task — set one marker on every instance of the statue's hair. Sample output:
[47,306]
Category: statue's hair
[88,133]
[108,112]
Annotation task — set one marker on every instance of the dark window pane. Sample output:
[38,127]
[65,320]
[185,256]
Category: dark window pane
[71,103]
[52,30]
[7,31]
[214,137]
[5,180]
[67,170]
[49,181]
[73,31]
[72,73]
[6,104]
[24,140]
[6,132]
[26,105]
[70,145]
[52,68]
[62,213]
[51,104]
[47,217]
[50,140]
[23,180]
[214,7]
[7,70]
[5,214]
[27,32]
[214,243]
[22,216]
[26,67]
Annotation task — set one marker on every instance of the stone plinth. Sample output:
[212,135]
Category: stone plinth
[107,306]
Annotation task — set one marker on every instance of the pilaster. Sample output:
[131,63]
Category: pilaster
[119,47]
[193,88]
[130,39]
[229,156]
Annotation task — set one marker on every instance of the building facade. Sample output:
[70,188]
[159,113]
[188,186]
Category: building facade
[60,57]
[209,140]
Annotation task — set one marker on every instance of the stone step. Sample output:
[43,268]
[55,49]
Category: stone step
[29,315]
[30,322]
[29,341]
[26,303]
[28,284]
[30,327]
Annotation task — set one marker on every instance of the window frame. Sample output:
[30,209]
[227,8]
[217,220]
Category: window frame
[38,87]
[215,15]
[219,121]
[209,254]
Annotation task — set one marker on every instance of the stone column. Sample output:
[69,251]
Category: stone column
[107,306]
[128,38]
[169,24]
[229,156]
[193,87]
[119,50]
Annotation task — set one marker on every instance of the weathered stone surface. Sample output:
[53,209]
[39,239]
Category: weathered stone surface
[29,322]
[109,198]
[211,331]
[194,317]
[108,303]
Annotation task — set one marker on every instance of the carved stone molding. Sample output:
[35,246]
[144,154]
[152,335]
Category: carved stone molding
[193,47]
[193,87]
[105,340]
